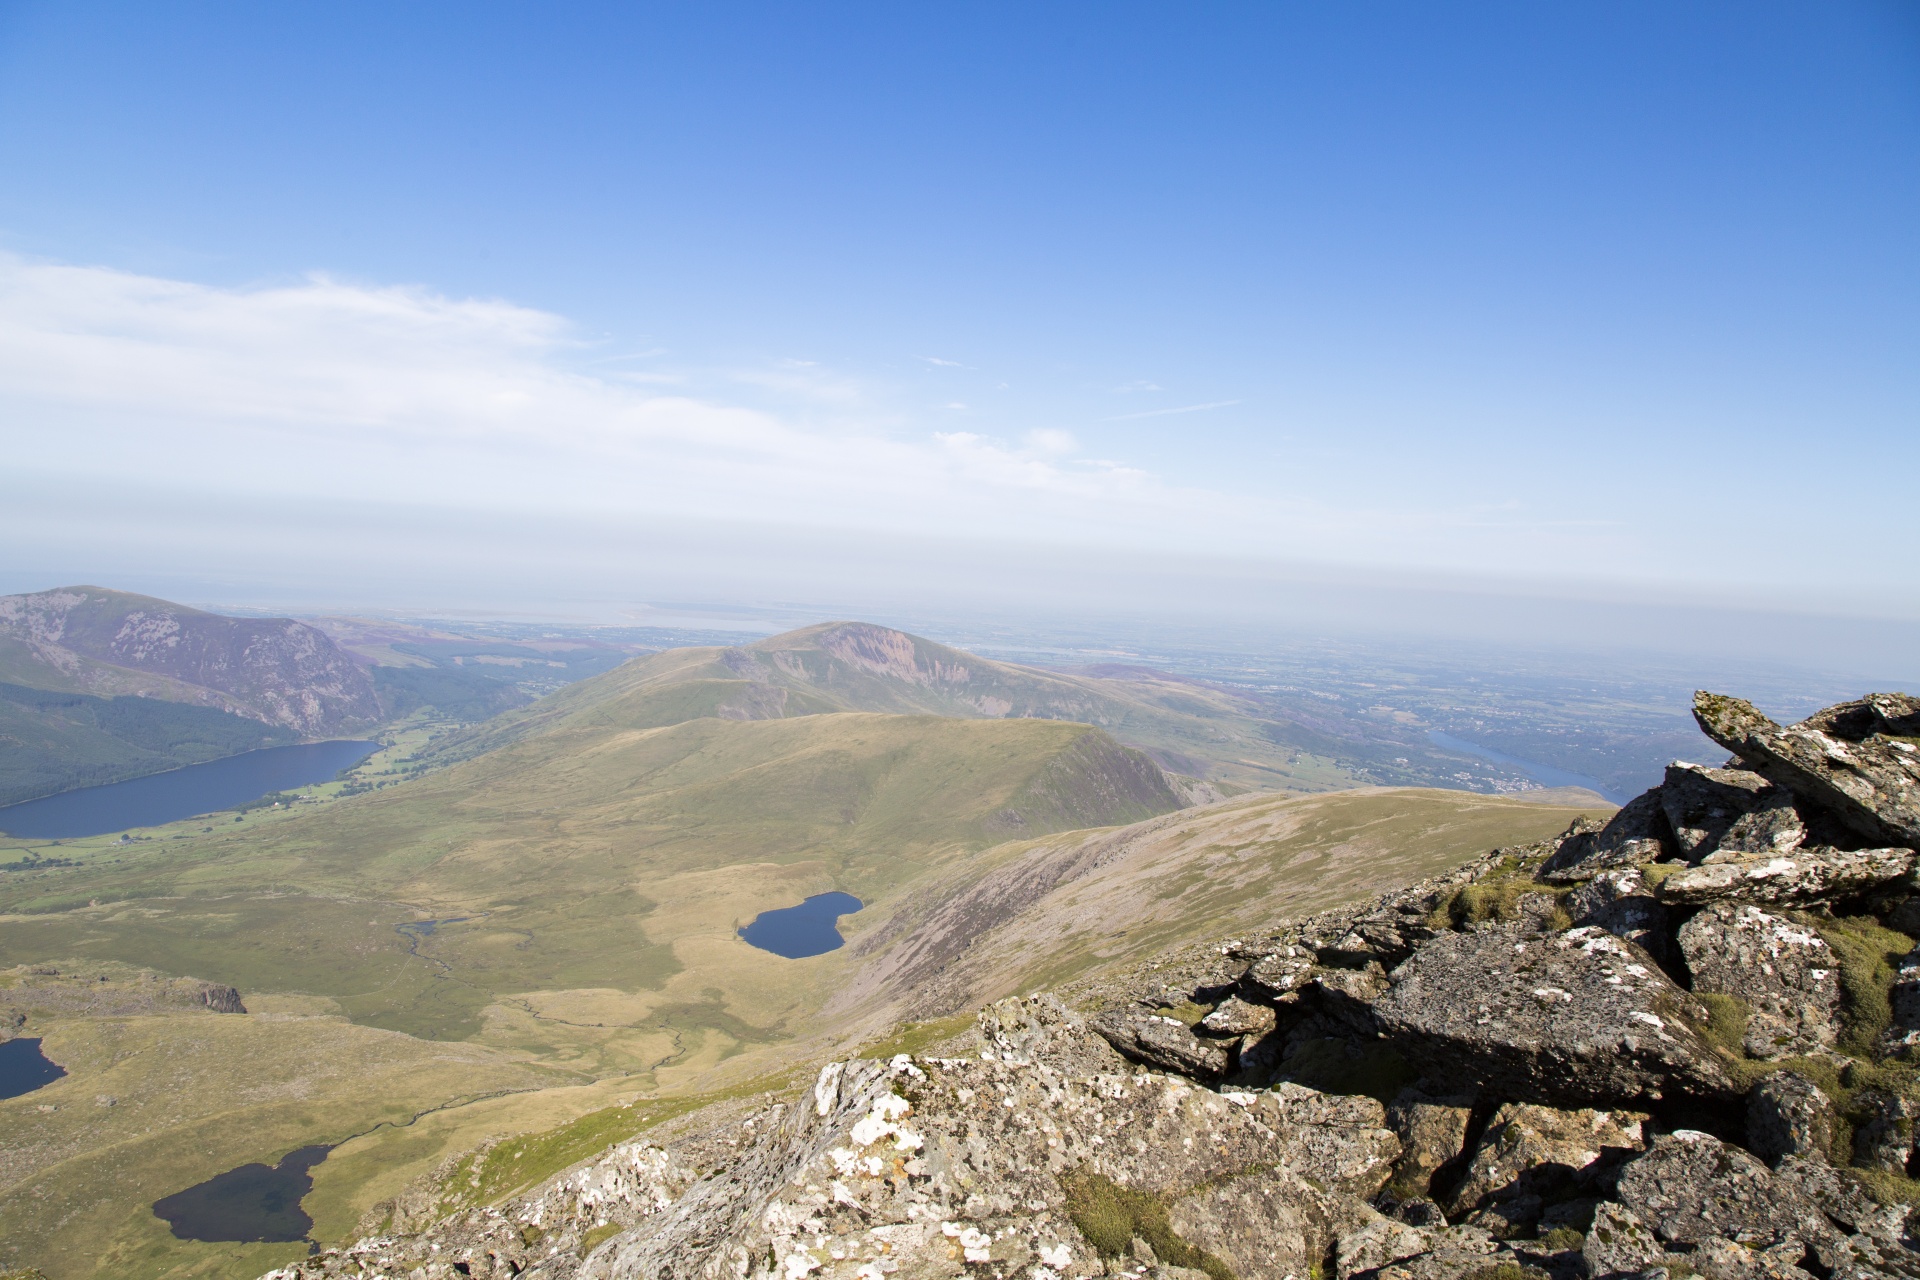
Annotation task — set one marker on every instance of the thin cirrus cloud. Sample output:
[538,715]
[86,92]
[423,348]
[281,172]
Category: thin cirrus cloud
[390,393]
[1185,408]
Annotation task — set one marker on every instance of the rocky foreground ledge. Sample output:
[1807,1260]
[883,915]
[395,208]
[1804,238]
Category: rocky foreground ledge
[1682,1043]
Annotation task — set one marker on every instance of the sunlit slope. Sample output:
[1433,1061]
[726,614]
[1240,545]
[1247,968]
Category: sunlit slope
[576,857]
[1197,730]
[1036,913]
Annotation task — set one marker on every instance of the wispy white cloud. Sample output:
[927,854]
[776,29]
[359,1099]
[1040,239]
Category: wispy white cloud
[1136,386]
[1185,408]
[945,364]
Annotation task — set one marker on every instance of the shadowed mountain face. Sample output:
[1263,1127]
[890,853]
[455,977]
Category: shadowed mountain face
[106,643]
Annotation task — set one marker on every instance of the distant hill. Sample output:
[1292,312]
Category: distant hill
[1219,740]
[99,685]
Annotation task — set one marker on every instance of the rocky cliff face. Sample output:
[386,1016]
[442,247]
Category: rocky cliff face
[1680,1043]
[275,670]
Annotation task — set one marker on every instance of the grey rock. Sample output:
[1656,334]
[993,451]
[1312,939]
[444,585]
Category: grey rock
[1894,714]
[1347,996]
[1785,972]
[1162,1042]
[1576,1019]
[1379,1242]
[1534,1151]
[1872,784]
[221,998]
[1884,1139]
[1805,875]
[1621,902]
[1266,1225]
[1789,1115]
[1432,1133]
[1280,973]
[1632,836]
[1842,1198]
[1336,1141]
[1690,1187]
[1237,1017]
[1902,1035]
[1618,1243]
[1704,805]
[1718,1259]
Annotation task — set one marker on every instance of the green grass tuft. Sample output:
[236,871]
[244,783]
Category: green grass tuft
[1868,952]
[1110,1216]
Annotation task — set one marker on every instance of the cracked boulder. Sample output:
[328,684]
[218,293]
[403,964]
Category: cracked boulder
[1690,1187]
[1622,903]
[1280,974]
[1870,783]
[1530,1153]
[1785,972]
[1632,836]
[1806,875]
[1723,813]
[1265,1225]
[1575,1019]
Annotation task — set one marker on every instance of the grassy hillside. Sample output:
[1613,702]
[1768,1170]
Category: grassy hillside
[1201,731]
[55,741]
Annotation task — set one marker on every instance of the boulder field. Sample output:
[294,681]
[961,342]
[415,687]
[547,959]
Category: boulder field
[1679,1043]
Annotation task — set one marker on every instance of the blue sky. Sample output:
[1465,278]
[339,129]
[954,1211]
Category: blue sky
[1599,296]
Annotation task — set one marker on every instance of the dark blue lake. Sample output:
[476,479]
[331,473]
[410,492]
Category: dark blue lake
[254,1203]
[179,793]
[23,1068]
[1544,774]
[805,930]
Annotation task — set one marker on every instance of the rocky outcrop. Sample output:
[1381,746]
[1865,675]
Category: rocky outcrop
[1716,814]
[1485,1074]
[1806,875]
[271,669]
[1576,1019]
[1633,835]
[1843,759]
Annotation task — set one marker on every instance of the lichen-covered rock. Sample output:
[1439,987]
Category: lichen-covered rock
[1690,1187]
[1529,1151]
[1719,813]
[1378,1242]
[1580,1018]
[1632,836]
[1339,1141]
[1841,1197]
[1166,1043]
[1789,1115]
[1618,1243]
[1264,1225]
[1622,903]
[1872,783]
[1432,1133]
[1785,972]
[1806,875]
[1884,1138]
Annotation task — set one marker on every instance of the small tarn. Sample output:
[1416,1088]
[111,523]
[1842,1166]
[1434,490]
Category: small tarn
[23,1068]
[253,1204]
[806,930]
